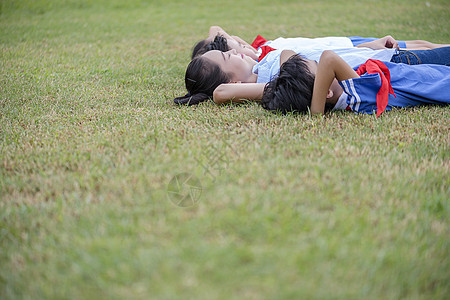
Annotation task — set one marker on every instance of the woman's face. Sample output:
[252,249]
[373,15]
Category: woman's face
[237,65]
[242,49]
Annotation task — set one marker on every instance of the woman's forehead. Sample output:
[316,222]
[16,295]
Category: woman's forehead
[213,55]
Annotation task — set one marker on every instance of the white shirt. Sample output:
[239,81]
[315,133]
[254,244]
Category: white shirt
[269,67]
[299,43]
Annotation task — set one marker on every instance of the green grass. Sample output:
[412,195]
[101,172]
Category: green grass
[291,207]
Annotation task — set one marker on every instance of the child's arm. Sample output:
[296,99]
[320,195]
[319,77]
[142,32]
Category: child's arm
[235,37]
[217,30]
[238,92]
[330,67]
[383,43]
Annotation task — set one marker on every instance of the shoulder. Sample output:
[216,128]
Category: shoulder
[285,55]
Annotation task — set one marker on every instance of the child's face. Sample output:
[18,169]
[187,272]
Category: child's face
[239,66]
[242,49]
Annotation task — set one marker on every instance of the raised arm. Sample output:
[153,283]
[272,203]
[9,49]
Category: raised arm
[238,92]
[235,37]
[215,30]
[330,67]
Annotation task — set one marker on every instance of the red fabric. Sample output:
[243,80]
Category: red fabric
[258,42]
[265,50]
[373,66]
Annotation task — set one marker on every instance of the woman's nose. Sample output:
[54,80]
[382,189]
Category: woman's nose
[233,51]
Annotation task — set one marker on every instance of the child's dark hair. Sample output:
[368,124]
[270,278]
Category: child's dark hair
[201,79]
[219,43]
[292,90]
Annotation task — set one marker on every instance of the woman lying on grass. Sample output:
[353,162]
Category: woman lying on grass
[304,85]
[218,39]
[223,76]
[233,77]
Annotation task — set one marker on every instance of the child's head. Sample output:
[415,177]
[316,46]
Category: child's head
[222,44]
[238,66]
[292,90]
[219,43]
[206,72]
[201,79]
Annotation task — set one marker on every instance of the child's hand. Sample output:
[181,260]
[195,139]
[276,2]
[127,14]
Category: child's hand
[387,42]
[217,30]
[390,42]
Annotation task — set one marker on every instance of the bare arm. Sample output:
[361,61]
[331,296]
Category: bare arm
[238,92]
[383,43]
[242,42]
[215,30]
[330,67]
[423,45]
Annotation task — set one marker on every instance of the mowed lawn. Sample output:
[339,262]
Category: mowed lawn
[110,191]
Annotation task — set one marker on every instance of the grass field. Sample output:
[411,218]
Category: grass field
[281,207]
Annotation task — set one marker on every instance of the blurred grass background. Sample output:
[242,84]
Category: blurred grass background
[340,207]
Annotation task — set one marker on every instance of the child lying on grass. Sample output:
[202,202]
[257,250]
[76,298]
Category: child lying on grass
[233,77]
[304,85]
[218,39]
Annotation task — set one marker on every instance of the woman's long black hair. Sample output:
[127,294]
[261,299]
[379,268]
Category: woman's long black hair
[202,77]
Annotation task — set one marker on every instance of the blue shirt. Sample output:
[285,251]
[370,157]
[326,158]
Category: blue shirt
[412,84]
